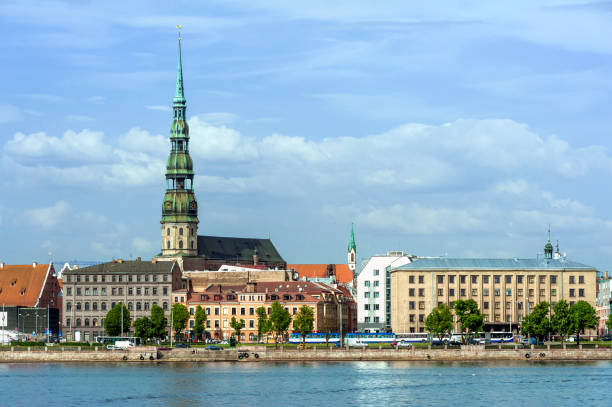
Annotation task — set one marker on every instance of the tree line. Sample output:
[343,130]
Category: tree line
[563,320]
[154,327]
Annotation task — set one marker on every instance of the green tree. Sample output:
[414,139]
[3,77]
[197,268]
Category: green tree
[142,328]
[263,324]
[536,323]
[303,322]
[439,322]
[469,316]
[180,316]
[200,319]
[583,317]
[237,326]
[561,321]
[280,319]
[609,323]
[159,322]
[112,322]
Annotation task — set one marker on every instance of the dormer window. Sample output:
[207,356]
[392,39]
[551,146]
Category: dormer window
[22,292]
[13,282]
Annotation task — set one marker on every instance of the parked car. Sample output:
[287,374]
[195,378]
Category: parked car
[213,347]
[401,344]
[183,345]
[607,337]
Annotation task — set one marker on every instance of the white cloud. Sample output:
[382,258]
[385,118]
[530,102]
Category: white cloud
[49,217]
[219,143]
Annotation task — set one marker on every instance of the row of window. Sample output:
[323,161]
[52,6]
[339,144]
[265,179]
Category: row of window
[375,294]
[497,292]
[507,278]
[250,323]
[367,320]
[191,232]
[93,306]
[87,291]
[234,310]
[374,307]
[85,322]
[180,244]
[376,283]
[113,278]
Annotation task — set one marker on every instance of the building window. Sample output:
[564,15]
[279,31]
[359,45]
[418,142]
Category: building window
[103,306]
[519,292]
[553,292]
[366,320]
[86,321]
[474,279]
[485,291]
[440,279]
[94,306]
[376,294]
[421,304]
[519,305]
[542,279]
[451,292]
[572,292]
[376,272]
[411,292]
[68,306]
[553,279]
[462,292]
[180,231]
[519,279]
[376,307]
[191,323]
[421,292]
[508,291]
[138,291]
[474,292]
[485,279]
[180,244]
[497,305]
[78,322]
[508,279]
[461,279]
[130,306]
[251,323]
[411,304]
[410,279]
[366,294]
[233,310]
[130,291]
[191,231]
[496,279]
[580,279]
[440,292]
[451,279]
[376,283]
[168,232]
[366,283]
[581,292]
[87,291]
[542,292]
[485,305]
[167,244]
[376,320]
[366,307]
[68,322]
[508,305]
[497,292]
[165,307]
[421,279]
[421,318]
[86,306]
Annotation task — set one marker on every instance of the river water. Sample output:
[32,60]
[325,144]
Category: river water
[307,384]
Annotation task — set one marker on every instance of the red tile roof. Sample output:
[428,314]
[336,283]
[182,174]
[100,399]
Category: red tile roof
[343,273]
[21,285]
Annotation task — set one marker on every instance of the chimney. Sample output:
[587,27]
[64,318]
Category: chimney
[1,265]
[120,261]
[34,264]
[255,257]
[251,287]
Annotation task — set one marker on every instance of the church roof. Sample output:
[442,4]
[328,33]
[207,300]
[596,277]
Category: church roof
[22,285]
[444,263]
[127,266]
[238,249]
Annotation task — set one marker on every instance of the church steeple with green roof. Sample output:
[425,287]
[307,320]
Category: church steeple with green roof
[179,208]
[352,250]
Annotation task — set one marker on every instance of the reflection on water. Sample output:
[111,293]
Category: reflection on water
[306,384]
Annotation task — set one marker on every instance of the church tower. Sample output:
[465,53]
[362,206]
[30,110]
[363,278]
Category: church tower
[548,247]
[352,251]
[180,209]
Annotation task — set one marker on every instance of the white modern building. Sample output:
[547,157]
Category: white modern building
[374,291]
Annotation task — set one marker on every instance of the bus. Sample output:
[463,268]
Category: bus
[315,337]
[495,337]
[110,340]
[364,339]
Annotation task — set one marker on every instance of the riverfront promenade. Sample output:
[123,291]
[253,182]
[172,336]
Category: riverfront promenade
[151,354]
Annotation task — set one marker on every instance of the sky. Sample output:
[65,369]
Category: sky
[456,128]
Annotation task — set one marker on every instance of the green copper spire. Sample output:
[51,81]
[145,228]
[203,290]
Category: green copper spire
[179,96]
[548,248]
[180,203]
[351,245]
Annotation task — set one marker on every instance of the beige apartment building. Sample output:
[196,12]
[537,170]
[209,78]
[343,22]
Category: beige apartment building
[504,289]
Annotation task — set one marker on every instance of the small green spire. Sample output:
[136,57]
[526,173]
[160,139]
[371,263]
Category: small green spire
[548,247]
[351,245]
[179,95]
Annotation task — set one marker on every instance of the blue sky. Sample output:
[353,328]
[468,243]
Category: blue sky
[459,128]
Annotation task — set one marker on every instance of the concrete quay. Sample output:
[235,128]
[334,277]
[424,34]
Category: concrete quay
[151,354]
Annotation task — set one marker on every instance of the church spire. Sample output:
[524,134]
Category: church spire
[179,95]
[548,247]
[179,208]
[352,250]
[351,245]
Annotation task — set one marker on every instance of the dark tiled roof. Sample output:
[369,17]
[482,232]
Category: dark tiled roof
[237,249]
[128,266]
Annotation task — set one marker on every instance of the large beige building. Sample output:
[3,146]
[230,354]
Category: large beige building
[504,289]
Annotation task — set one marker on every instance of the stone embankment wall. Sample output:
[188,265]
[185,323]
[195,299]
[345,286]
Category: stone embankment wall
[151,354]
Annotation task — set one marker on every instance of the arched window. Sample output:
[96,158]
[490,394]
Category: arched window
[181,231]
[95,322]
[130,306]
[68,306]
[103,306]
[180,244]
[78,322]
[138,306]
[352,257]
[168,244]
[86,306]
[94,306]
[191,231]
[168,232]
[78,306]
[192,244]
[86,321]
[165,306]
[146,306]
